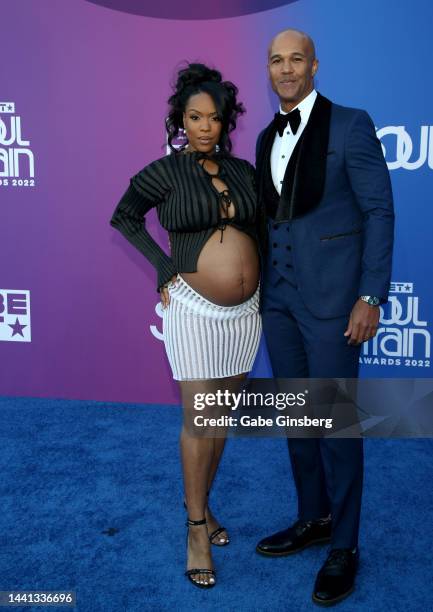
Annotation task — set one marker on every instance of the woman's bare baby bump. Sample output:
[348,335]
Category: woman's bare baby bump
[228,271]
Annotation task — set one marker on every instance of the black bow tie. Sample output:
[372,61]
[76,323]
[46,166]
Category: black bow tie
[281,121]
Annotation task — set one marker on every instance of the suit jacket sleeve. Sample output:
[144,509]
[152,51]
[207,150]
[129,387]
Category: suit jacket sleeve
[370,181]
[146,190]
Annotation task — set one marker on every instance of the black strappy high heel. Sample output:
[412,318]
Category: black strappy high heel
[190,572]
[215,533]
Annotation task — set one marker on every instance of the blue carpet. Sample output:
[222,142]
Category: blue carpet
[71,470]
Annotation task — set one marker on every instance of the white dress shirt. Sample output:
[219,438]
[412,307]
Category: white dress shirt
[283,145]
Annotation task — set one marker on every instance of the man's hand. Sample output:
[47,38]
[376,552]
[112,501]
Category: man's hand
[363,323]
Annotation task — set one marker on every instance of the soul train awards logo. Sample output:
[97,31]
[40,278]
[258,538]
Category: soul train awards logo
[154,328]
[399,148]
[15,315]
[17,162]
[403,339]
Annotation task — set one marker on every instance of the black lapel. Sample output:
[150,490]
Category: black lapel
[263,161]
[303,188]
[285,210]
[263,170]
[268,195]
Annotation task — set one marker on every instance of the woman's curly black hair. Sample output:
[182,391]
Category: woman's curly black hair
[197,78]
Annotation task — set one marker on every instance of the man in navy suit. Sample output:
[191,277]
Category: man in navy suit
[327,225]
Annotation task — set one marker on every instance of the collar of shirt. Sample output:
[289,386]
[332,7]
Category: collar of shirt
[305,106]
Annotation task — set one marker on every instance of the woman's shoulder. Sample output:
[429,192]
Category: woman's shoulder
[154,176]
[239,161]
[160,162]
[156,168]
[242,165]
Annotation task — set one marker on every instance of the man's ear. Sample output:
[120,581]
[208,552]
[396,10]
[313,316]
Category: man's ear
[315,67]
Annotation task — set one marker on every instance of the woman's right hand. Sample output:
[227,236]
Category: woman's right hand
[164,293]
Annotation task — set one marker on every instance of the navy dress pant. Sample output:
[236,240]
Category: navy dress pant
[328,473]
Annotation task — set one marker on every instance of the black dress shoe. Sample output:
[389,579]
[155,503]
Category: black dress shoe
[296,538]
[336,578]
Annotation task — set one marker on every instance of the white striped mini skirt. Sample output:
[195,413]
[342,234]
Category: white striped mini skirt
[204,340]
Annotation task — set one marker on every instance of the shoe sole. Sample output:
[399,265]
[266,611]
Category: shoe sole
[292,552]
[331,602]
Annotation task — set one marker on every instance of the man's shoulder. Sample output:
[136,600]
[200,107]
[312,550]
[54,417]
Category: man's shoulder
[346,113]
[261,135]
[265,129]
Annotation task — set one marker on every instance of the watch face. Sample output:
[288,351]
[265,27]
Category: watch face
[371,300]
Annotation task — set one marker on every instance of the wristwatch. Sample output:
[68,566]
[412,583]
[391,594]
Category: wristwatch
[372,300]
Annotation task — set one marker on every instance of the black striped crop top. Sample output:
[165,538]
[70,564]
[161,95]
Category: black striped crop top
[189,207]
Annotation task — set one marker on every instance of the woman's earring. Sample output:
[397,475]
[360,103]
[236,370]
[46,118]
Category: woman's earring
[181,140]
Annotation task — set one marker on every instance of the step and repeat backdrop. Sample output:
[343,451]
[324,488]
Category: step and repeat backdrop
[83,96]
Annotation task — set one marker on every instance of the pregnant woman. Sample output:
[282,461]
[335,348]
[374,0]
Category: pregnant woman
[209,287]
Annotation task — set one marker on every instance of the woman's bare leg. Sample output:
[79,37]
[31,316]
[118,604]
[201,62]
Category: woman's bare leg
[197,453]
[213,524]
[201,455]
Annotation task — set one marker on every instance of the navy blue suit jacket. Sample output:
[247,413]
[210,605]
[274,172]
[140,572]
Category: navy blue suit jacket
[342,236]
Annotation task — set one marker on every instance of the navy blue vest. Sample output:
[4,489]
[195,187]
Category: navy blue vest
[279,259]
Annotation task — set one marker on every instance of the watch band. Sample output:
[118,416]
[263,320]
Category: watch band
[370,299]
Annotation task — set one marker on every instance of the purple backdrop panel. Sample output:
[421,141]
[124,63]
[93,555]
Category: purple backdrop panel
[89,91]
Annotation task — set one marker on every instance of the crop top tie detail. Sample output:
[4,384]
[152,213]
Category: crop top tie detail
[225,197]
